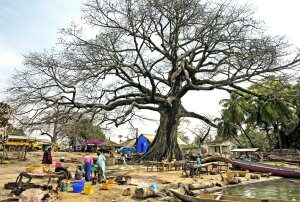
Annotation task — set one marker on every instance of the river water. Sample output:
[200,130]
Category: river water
[284,189]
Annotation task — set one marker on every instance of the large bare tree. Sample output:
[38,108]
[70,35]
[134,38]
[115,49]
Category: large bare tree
[147,55]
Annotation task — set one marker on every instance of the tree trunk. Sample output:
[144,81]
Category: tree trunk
[165,142]
[268,135]
[236,139]
[249,139]
[277,131]
[295,135]
[55,131]
[205,136]
[3,153]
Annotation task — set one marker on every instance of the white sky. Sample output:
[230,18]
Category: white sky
[32,25]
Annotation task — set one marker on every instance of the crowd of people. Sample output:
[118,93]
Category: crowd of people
[90,169]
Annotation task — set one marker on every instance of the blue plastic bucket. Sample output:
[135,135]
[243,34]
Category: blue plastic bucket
[78,187]
[153,186]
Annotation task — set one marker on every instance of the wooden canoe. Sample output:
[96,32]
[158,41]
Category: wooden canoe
[222,198]
[265,168]
[186,198]
[285,159]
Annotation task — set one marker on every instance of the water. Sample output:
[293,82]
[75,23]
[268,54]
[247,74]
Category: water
[282,189]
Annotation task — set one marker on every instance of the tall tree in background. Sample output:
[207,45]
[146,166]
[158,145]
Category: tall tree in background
[274,107]
[269,107]
[17,132]
[234,116]
[147,55]
[294,135]
[48,120]
[202,132]
[83,129]
[5,113]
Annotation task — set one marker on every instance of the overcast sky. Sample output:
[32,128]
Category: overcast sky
[32,25]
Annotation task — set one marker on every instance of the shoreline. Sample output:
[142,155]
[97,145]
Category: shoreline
[243,183]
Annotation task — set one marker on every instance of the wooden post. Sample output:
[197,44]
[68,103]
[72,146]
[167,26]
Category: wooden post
[25,152]
[2,157]
[19,152]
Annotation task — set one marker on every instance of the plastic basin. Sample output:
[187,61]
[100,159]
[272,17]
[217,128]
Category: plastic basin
[79,182]
[78,187]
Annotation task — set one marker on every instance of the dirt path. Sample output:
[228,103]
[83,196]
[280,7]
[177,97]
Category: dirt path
[9,173]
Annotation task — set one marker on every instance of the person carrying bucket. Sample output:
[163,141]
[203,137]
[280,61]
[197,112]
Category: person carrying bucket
[88,161]
[101,165]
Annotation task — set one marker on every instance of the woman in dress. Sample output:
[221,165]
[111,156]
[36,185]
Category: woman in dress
[101,164]
[88,161]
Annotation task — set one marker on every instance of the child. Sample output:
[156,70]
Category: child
[79,173]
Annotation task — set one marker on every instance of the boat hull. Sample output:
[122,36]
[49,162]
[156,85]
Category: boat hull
[222,198]
[264,168]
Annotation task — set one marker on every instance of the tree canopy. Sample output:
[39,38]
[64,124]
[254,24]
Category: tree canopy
[270,113]
[147,55]
[79,131]
[5,113]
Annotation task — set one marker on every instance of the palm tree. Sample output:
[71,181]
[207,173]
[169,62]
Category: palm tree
[277,113]
[226,129]
[234,115]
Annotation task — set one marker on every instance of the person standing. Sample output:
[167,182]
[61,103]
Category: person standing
[198,160]
[88,161]
[101,164]
[47,157]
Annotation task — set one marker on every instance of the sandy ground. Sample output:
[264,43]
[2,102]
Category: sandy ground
[9,173]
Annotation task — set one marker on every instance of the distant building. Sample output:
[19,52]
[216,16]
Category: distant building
[144,141]
[222,148]
[109,146]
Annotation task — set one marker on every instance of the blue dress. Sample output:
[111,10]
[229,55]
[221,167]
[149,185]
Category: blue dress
[88,166]
[198,161]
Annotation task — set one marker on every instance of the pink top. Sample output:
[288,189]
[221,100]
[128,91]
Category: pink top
[57,164]
[88,158]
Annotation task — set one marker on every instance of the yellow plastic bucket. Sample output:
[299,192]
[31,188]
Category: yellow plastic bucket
[88,189]
[111,180]
[105,186]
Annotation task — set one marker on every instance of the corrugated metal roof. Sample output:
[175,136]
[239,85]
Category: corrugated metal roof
[245,150]
[111,143]
[128,143]
[150,137]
